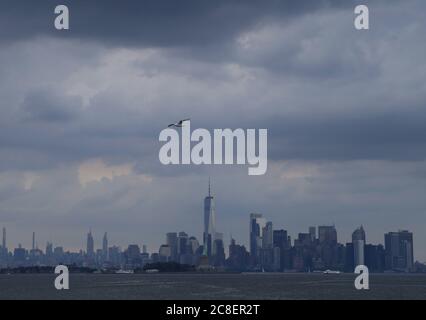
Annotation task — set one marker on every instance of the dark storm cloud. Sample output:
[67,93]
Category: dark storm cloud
[50,107]
[321,98]
[150,22]
[391,136]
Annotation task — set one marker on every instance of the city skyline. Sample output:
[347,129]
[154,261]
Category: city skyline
[92,244]
[276,251]
[344,110]
[270,248]
[42,245]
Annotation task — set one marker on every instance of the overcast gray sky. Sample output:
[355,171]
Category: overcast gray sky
[81,111]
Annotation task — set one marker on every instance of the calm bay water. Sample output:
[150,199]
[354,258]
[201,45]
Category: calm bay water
[213,286]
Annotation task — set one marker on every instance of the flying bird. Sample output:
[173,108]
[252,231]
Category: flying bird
[178,124]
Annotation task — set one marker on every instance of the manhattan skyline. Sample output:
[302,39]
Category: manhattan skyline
[269,236]
[81,111]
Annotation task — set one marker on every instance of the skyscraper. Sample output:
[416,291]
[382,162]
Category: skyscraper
[267,236]
[164,253]
[313,233]
[280,239]
[172,242]
[327,234]
[49,249]
[257,223]
[209,234]
[219,253]
[399,251]
[238,256]
[133,255]
[90,245]
[267,252]
[105,247]
[406,239]
[33,247]
[182,243]
[374,257]
[3,249]
[358,242]
[193,245]
[4,238]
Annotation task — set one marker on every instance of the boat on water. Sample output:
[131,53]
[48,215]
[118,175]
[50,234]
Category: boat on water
[331,272]
[152,271]
[121,271]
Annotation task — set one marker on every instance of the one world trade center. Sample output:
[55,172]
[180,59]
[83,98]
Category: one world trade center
[209,224]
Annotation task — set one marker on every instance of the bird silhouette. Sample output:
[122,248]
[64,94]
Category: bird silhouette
[178,124]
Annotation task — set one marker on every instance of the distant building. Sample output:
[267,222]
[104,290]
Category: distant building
[399,251]
[172,242]
[375,257]
[4,246]
[313,233]
[304,252]
[267,252]
[327,234]
[209,224]
[257,223]
[165,253]
[34,242]
[349,258]
[219,253]
[49,249]
[358,243]
[282,250]
[58,254]
[4,251]
[114,254]
[193,245]
[105,247]
[19,256]
[238,259]
[90,245]
[133,256]
[329,251]
[267,236]
[182,243]
[280,239]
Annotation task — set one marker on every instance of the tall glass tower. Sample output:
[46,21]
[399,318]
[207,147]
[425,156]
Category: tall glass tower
[257,225]
[358,242]
[209,234]
[4,238]
[90,245]
[105,247]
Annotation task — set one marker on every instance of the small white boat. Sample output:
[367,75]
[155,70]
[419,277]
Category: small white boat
[121,271]
[331,272]
[152,271]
